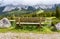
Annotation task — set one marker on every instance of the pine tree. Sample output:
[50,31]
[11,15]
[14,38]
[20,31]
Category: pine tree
[57,12]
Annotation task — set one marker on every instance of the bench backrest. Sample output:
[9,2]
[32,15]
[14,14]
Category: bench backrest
[30,19]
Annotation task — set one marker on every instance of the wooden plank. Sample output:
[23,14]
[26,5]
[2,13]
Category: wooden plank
[26,23]
[12,20]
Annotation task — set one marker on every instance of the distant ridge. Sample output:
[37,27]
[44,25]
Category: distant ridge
[26,7]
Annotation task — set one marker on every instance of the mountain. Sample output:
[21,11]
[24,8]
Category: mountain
[12,7]
[43,6]
[2,8]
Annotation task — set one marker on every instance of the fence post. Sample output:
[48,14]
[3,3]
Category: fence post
[40,23]
[19,21]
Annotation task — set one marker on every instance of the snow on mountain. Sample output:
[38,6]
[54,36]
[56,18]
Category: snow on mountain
[8,8]
[40,6]
[43,6]
[26,4]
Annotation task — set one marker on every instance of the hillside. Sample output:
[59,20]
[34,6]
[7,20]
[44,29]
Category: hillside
[29,13]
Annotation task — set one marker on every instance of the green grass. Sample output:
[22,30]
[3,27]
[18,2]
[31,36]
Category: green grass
[20,31]
[13,30]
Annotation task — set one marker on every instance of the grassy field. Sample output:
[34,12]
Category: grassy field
[30,30]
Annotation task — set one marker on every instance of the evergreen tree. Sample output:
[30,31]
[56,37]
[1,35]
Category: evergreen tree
[57,12]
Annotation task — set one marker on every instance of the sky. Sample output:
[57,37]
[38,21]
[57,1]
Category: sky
[28,2]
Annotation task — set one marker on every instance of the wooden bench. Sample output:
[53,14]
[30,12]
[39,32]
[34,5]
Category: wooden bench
[30,20]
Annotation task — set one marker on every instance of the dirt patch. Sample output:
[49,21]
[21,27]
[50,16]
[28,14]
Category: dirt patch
[10,35]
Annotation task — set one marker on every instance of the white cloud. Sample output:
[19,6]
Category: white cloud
[29,2]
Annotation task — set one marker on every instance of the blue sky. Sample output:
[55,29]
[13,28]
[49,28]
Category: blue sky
[29,2]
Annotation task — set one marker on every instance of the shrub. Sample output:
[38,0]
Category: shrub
[27,27]
[13,23]
[55,21]
[46,29]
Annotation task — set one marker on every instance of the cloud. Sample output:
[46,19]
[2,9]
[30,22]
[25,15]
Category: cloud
[32,2]
[28,2]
